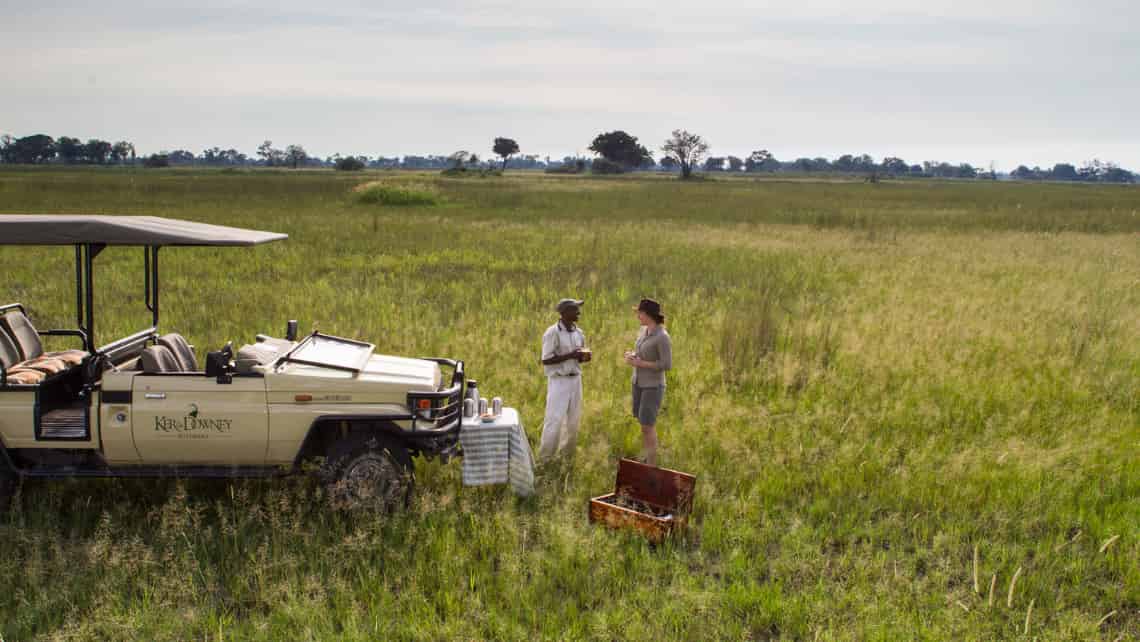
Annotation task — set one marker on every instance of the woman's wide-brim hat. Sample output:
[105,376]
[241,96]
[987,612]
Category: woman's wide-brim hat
[648,306]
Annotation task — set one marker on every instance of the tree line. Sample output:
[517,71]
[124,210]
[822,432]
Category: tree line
[40,148]
[614,152]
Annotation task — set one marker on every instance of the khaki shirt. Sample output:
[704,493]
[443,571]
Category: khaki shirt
[557,340]
[658,348]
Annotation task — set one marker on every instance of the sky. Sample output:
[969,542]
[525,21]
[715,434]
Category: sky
[1005,82]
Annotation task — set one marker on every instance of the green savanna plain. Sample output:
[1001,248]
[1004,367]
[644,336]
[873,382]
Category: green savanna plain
[895,396]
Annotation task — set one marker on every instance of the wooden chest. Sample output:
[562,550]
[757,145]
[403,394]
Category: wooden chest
[654,502]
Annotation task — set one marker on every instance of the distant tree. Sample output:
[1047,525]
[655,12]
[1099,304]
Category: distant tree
[966,170]
[349,164]
[97,151]
[181,157]
[621,148]
[212,156]
[459,160]
[70,150]
[270,155]
[1063,172]
[845,163]
[122,151]
[156,160]
[426,162]
[34,149]
[295,155]
[1022,173]
[1116,174]
[714,164]
[686,150]
[734,164]
[505,147]
[803,164]
[668,163]
[761,161]
[895,166]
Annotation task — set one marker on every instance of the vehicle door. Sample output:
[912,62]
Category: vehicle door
[192,419]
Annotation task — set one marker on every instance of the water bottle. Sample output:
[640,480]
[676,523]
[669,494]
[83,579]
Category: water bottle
[472,390]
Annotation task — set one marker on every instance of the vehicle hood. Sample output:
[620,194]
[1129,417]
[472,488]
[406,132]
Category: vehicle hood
[384,378]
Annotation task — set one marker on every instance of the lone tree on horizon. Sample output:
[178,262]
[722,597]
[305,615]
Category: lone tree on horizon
[621,148]
[685,148]
[505,147]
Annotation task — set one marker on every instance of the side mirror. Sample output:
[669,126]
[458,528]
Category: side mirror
[291,330]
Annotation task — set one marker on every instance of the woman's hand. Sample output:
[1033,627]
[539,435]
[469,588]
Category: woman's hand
[632,359]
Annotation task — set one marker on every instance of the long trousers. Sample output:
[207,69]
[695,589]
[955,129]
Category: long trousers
[563,414]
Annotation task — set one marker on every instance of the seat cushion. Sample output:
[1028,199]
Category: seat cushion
[22,330]
[25,376]
[48,365]
[70,357]
[159,359]
[181,349]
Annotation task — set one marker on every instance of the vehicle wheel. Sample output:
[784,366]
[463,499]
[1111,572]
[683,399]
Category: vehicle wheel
[368,472]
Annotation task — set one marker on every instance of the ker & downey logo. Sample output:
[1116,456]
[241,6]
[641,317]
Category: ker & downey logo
[192,423]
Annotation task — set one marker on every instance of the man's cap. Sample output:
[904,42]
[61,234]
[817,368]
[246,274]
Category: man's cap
[648,306]
[565,303]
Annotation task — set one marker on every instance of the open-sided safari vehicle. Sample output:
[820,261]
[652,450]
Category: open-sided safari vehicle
[144,405]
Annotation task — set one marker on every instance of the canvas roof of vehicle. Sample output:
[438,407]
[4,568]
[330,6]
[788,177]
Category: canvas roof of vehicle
[68,229]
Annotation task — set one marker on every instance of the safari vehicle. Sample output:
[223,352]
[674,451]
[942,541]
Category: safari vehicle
[144,405]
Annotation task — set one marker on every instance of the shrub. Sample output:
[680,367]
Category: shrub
[387,193]
[567,168]
[156,160]
[605,166]
[349,164]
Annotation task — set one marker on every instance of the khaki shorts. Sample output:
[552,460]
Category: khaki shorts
[647,403]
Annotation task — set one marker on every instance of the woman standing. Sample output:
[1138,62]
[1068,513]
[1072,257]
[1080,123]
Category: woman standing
[651,357]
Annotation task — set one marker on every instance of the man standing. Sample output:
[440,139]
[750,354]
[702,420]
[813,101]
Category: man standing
[563,352]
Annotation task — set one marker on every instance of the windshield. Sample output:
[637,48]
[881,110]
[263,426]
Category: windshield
[331,352]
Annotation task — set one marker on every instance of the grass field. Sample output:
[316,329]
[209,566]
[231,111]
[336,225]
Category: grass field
[891,395]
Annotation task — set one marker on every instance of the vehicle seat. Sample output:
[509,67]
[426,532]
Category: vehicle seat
[181,349]
[159,359]
[256,354]
[9,351]
[15,368]
[28,340]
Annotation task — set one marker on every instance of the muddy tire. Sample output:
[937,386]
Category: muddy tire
[368,473]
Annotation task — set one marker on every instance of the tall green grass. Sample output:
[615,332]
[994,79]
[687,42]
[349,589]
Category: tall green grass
[393,193]
[871,382]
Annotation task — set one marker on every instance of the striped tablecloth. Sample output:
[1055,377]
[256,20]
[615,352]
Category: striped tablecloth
[497,452]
